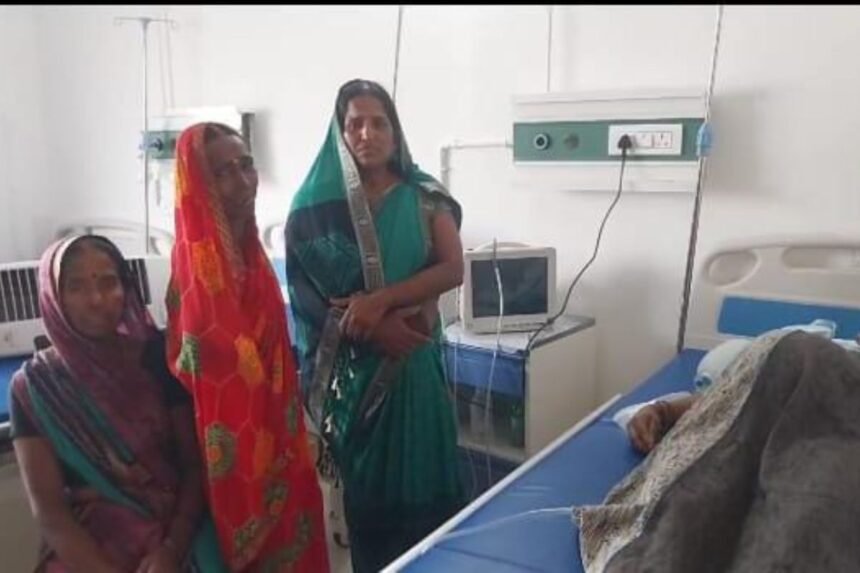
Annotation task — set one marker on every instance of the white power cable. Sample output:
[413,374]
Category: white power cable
[488,401]
[457,341]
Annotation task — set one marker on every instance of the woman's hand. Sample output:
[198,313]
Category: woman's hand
[363,313]
[647,428]
[395,338]
[162,560]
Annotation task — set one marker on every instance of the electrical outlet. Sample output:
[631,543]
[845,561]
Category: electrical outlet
[648,139]
[643,140]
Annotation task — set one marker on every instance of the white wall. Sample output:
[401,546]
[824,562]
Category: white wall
[786,109]
[634,287]
[784,94]
[285,63]
[23,158]
[91,83]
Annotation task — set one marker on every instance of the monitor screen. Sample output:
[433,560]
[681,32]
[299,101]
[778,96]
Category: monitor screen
[524,286]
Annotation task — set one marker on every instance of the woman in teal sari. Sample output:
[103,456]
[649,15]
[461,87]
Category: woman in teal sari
[372,242]
[103,434]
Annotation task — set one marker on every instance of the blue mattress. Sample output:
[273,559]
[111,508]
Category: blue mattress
[581,471]
[8,367]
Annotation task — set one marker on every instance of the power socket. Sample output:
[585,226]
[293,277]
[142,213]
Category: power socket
[648,139]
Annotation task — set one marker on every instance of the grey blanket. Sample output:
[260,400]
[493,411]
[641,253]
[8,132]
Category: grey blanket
[761,475]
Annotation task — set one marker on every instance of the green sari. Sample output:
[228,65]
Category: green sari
[388,424]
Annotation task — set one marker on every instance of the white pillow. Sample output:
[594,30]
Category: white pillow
[820,326]
[715,362]
[849,345]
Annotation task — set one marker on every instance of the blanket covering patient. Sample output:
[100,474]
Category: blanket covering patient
[761,474]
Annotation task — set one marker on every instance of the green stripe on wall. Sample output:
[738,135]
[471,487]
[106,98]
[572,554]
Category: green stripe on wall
[593,140]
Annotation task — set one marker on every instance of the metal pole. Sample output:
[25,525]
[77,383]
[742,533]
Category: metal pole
[697,206]
[145,28]
[144,25]
[397,51]
[549,49]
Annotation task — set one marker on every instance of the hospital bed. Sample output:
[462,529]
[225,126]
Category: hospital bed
[129,236]
[742,290]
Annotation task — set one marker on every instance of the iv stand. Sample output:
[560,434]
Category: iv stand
[144,22]
[697,205]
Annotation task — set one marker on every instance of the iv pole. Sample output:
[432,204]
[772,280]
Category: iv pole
[697,205]
[144,24]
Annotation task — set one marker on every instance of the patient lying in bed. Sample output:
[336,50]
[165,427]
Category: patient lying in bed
[651,421]
[757,473]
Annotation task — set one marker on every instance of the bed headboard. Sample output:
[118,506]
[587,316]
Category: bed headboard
[128,236]
[272,235]
[747,288]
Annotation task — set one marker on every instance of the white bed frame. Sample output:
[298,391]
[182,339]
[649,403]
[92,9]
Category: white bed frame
[814,269]
[823,270]
[129,236]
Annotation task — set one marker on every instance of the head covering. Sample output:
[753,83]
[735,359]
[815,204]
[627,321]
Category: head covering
[324,254]
[228,344]
[329,176]
[117,384]
[84,356]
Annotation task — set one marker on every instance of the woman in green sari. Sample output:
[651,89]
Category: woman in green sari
[372,242]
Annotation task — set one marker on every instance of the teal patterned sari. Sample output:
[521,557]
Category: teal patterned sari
[388,424]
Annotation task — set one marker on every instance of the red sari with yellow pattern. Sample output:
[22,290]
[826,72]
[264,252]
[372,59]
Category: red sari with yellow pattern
[228,344]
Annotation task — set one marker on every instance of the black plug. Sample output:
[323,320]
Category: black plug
[625,142]
[41,342]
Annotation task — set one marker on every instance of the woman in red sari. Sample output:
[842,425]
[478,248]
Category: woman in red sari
[228,344]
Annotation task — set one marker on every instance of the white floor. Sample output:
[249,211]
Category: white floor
[19,541]
[19,538]
[335,526]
